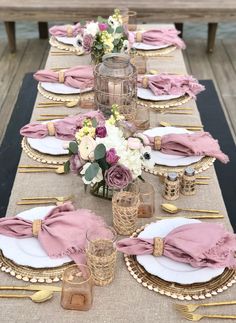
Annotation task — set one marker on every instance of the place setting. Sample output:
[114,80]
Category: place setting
[69,86]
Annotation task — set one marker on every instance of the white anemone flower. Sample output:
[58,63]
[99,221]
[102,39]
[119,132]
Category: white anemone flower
[147,160]
[98,178]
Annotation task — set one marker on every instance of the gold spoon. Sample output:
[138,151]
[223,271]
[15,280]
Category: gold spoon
[70,104]
[41,169]
[38,297]
[171,208]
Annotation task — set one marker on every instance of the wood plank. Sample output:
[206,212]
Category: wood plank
[230,48]
[8,67]
[202,68]
[30,62]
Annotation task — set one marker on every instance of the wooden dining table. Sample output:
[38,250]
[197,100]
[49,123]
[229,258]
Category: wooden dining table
[124,300]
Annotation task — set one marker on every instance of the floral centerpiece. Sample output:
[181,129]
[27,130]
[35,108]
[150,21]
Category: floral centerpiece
[104,36]
[104,158]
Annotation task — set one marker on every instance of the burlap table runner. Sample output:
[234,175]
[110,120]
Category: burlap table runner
[124,301]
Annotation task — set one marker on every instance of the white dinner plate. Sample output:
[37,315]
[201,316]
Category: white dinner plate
[66,40]
[143,46]
[60,88]
[28,251]
[167,268]
[49,145]
[147,94]
[170,160]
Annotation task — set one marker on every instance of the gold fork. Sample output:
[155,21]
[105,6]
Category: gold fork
[198,317]
[192,307]
[44,200]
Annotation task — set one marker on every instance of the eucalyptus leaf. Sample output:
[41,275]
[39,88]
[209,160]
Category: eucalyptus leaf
[99,152]
[110,30]
[119,30]
[91,171]
[73,147]
[94,122]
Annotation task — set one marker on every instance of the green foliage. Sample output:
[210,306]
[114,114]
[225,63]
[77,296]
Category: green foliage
[94,122]
[73,147]
[91,171]
[67,167]
[99,152]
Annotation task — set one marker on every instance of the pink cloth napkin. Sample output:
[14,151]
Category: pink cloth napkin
[172,84]
[63,230]
[159,37]
[65,31]
[79,77]
[65,129]
[195,144]
[197,244]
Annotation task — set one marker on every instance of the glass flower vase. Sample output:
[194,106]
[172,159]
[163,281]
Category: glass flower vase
[101,190]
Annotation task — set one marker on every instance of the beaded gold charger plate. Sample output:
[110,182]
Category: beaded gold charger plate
[155,53]
[30,274]
[43,158]
[155,105]
[70,48]
[178,291]
[199,167]
[65,97]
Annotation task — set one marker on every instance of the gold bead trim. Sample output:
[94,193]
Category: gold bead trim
[138,37]
[51,128]
[36,227]
[158,247]
[145,82]
[69,31]
[157,143]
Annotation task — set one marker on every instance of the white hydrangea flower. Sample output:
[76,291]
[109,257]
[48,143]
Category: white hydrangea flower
[92,28]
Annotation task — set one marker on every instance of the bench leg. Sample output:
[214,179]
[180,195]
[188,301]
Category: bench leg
[212,28]
[11,35]
[179,27]
[43,30]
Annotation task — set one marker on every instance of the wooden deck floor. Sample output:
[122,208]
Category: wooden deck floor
[219,66]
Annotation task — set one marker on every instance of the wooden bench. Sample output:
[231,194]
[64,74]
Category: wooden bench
[176,11]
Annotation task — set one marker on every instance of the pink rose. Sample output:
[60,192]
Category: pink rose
[102,26]
[75,163]
[111,156]
[87,42]
[134,143]
[118,176]
[101,132]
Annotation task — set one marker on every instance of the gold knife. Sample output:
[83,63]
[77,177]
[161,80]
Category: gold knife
[218,216]
[32,287]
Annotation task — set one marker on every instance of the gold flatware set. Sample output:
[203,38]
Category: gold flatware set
[186,310]
[64,53]
[41,169]
[35,200]
[173,209]
[42,293]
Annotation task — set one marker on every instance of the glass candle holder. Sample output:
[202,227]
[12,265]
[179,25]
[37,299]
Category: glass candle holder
[142,118]
[130,19]
[140,62]
[101,254]
[77,288]
[125,206]
[115,82]
[147,198]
